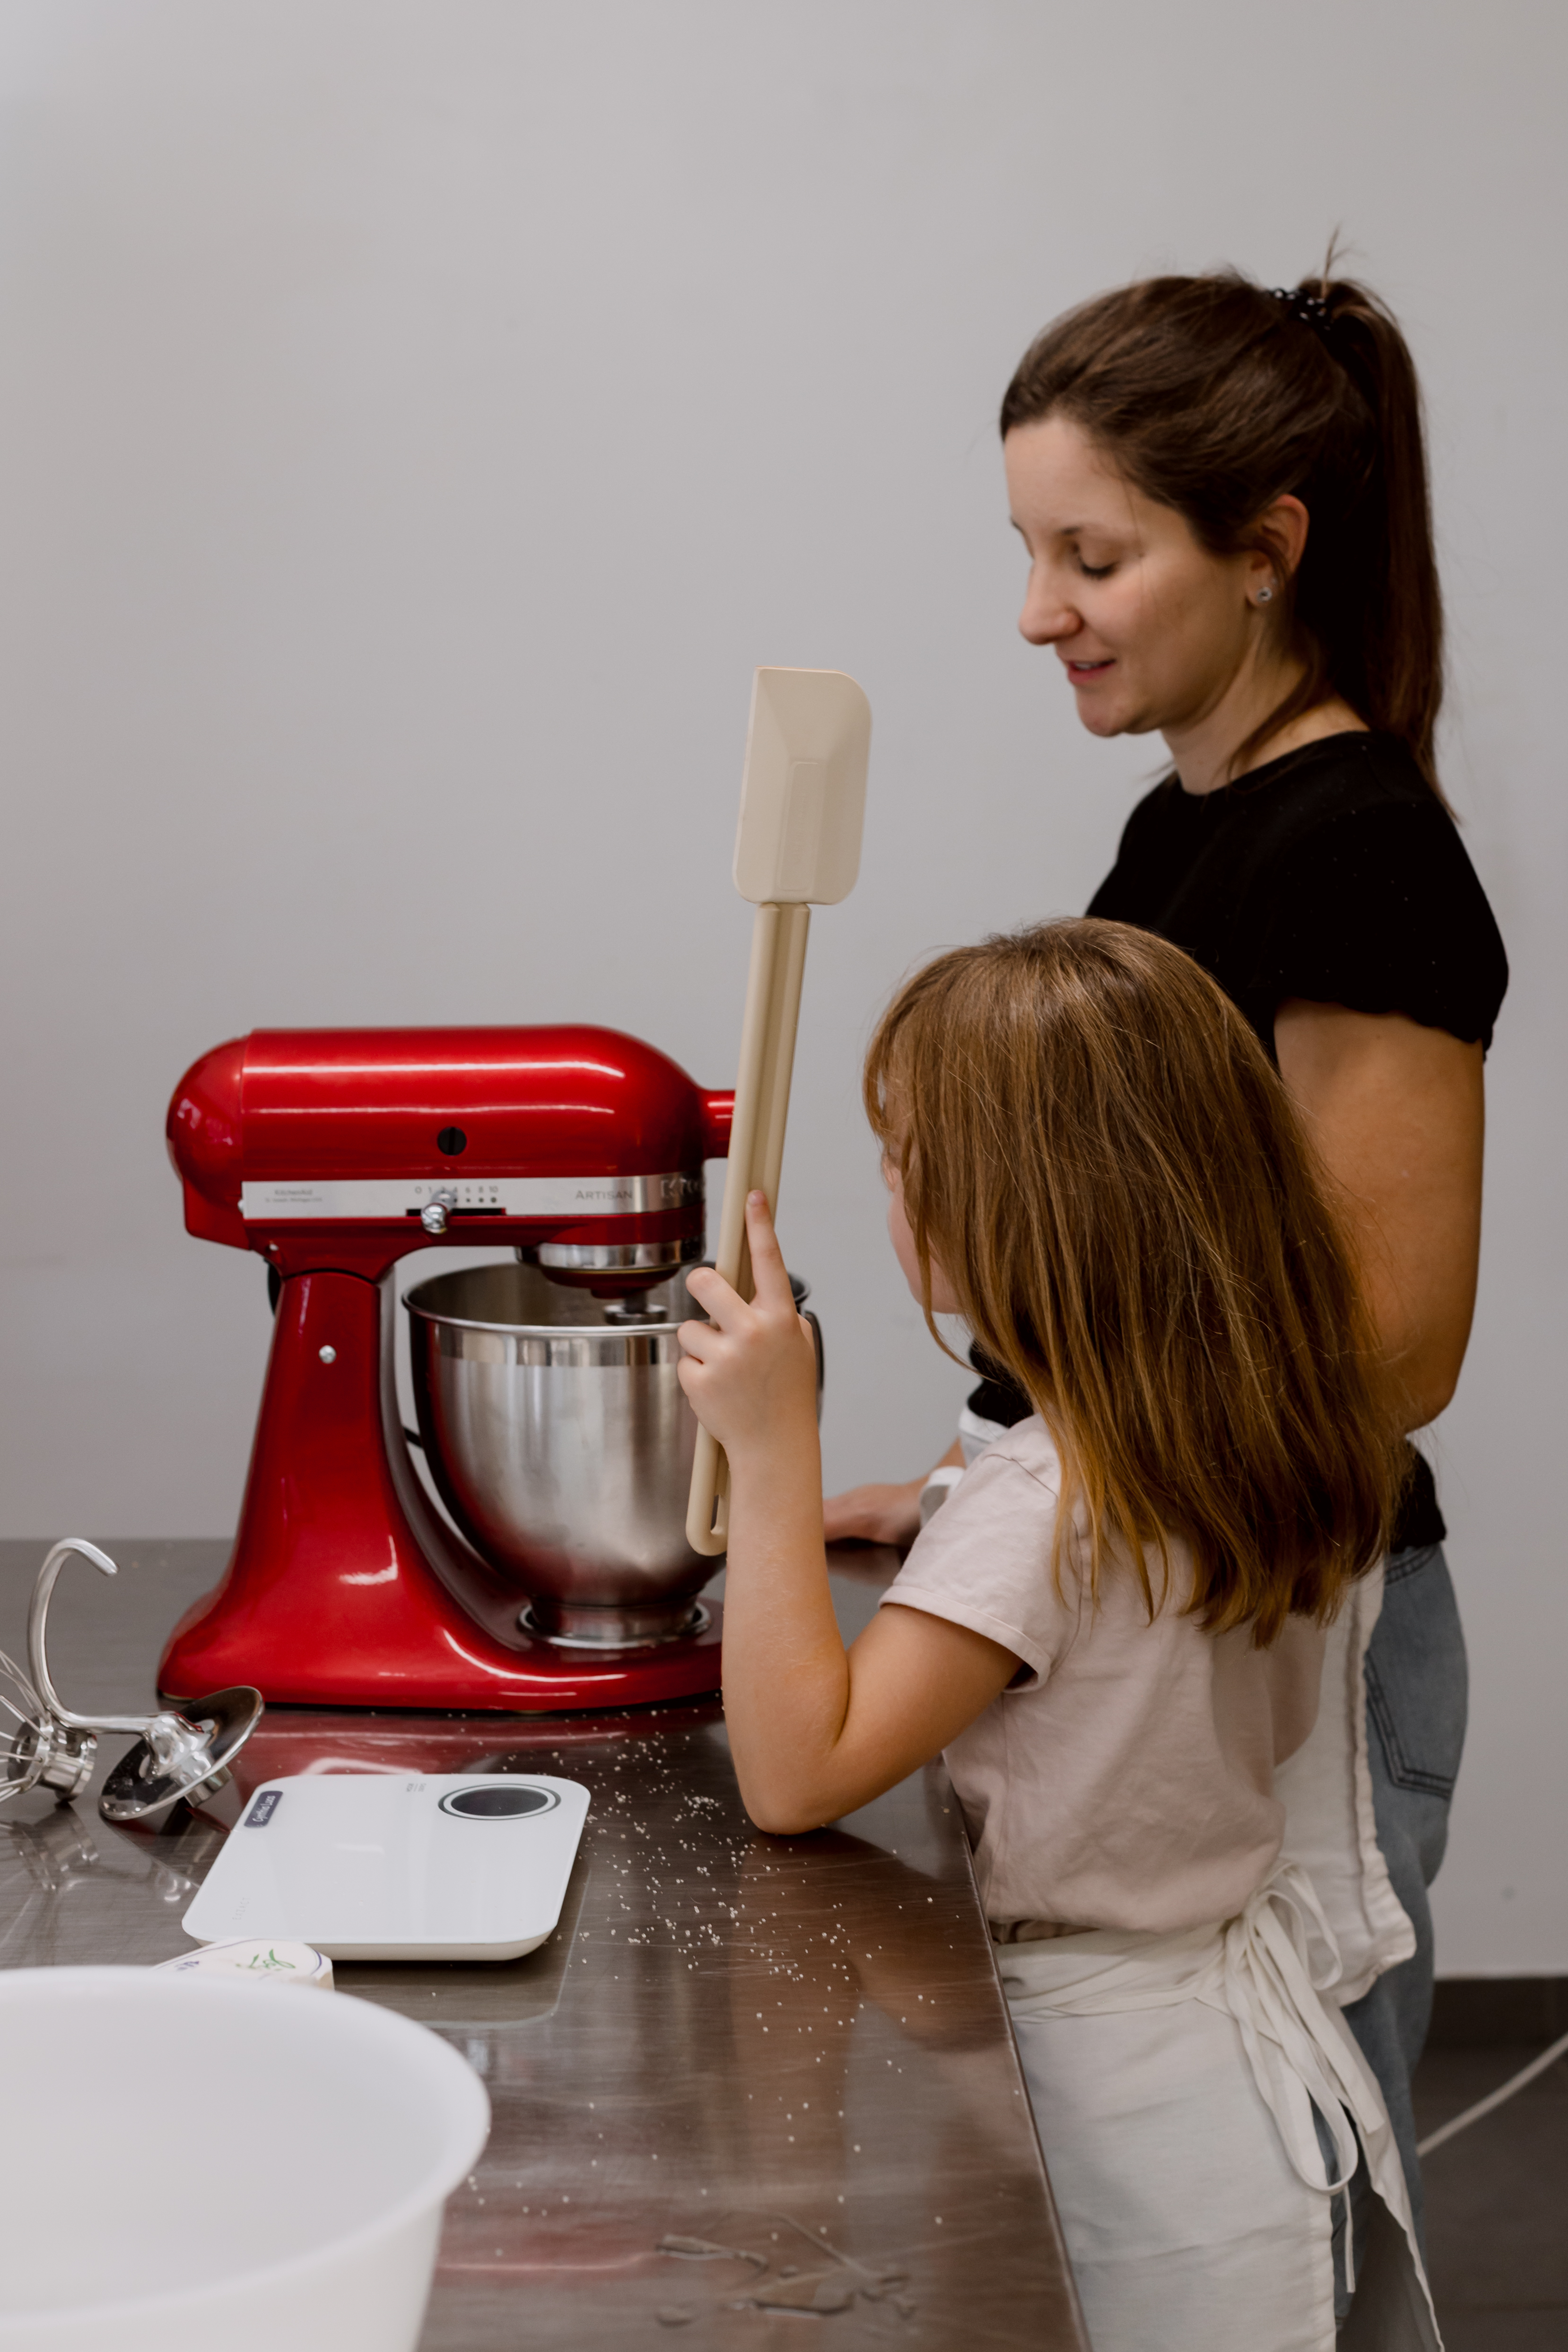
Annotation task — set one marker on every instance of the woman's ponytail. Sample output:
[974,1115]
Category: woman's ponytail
[1215,396]
[1387,661]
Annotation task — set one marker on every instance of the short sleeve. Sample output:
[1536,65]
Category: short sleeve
[1379,908]
[984,1562]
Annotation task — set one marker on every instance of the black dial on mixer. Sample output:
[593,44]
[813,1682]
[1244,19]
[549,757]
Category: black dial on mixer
[451,1141]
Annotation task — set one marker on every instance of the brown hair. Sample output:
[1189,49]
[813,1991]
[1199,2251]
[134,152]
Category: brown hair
[1214,396]
[1105,1164]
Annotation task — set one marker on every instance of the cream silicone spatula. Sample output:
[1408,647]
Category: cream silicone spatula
[802,809]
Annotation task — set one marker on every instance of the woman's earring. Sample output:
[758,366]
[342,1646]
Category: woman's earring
[1266,595]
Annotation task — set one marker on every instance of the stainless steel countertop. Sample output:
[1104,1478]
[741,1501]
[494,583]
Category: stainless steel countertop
[749,2080]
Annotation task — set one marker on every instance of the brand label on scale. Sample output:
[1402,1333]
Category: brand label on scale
[501,1196]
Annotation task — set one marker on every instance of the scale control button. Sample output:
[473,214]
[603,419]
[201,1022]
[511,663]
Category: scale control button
[497,1801]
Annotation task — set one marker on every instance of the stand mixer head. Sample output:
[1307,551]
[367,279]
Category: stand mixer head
[333,1154]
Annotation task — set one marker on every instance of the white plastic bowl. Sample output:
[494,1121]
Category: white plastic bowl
[197,2162]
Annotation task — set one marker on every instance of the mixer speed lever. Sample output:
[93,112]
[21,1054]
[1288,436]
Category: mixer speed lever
[436,1213]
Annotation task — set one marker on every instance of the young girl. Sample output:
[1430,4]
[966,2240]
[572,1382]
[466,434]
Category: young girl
[1112,1627]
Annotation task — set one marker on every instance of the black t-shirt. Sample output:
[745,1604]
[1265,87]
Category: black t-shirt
[1334,875]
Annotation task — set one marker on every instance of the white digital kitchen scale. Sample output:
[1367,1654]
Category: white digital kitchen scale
[388,1867]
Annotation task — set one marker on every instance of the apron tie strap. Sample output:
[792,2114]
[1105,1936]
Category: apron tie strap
[1267,1968]
[1279,1955]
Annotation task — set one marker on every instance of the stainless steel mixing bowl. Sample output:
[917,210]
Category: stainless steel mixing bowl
[559,1440]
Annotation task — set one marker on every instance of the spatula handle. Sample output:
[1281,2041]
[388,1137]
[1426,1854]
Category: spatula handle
[756,1158]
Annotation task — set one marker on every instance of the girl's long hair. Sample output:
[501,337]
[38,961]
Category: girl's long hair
[1215,396]
[1098,1154]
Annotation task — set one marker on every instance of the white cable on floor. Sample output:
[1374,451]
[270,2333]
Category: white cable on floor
[1494,2099]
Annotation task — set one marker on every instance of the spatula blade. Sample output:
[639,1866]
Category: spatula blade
[802,793]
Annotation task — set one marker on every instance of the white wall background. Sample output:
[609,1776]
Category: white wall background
[420,415]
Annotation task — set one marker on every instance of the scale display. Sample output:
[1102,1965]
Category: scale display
[373,1866]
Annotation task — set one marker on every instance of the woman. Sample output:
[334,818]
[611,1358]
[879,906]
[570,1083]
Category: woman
[1223,495]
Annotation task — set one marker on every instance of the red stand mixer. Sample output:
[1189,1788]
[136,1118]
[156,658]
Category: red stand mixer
[333,1154]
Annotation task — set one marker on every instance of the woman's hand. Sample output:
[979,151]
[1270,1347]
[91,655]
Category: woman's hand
[877,1515]
[749,1372]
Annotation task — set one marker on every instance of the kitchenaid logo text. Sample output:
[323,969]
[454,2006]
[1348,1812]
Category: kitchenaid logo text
[368,1198]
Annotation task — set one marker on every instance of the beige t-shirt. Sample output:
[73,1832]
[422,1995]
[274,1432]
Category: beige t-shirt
[1126,1777]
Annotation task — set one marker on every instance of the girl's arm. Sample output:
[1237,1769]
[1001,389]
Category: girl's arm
[815,1731]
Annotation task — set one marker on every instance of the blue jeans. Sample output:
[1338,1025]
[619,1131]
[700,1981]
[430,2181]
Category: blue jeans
[1416,1691]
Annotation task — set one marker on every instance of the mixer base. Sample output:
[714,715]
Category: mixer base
[447,1661]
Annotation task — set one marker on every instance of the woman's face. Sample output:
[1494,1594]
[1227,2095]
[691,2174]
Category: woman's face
[902,1238]
[1152,629]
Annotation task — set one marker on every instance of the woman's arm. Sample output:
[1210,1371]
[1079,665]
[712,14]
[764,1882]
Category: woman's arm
[1396,1113]
[815,1731]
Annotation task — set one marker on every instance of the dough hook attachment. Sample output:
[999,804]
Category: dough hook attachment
[177,1755]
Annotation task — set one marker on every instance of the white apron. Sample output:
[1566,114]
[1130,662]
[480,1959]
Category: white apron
[1326,1791]
[1172,2079]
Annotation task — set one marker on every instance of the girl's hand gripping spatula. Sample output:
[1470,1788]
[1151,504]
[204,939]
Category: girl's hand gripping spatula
[803,808]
